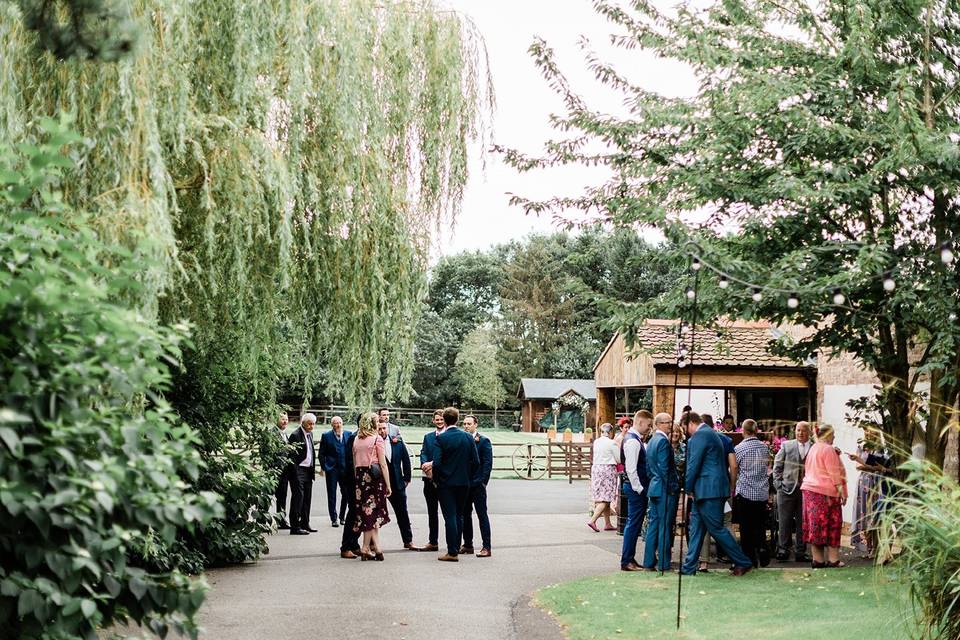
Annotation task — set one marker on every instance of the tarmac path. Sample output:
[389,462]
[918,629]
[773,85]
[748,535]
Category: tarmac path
[304,590]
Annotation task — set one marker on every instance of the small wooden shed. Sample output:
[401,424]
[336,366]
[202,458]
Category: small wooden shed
[733,372]
[537,395]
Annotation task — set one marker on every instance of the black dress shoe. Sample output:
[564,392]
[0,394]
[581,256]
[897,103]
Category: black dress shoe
[310,529]
[334,524]
[803,559]
[299,532]
[343,521]
[282,526]
[782,557]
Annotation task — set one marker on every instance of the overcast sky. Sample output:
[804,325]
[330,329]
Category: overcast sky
[524,103]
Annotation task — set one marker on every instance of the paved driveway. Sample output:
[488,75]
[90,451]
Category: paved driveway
[304,590]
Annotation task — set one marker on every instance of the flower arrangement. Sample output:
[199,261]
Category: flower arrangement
[571,400]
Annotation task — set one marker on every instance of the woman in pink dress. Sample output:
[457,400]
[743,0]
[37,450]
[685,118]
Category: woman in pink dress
[373,486]
[824,494]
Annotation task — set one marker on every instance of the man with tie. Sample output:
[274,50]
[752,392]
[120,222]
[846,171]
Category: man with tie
[286,476]
[454,462]
[787,477]
[662,492]
[398,464]
[334,461]
[303,458]
[634,458]
[708,483]
[427,452]
[477,499]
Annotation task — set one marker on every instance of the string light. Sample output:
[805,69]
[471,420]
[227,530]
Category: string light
[793,301]
[724,283]
[946,253]
[757,295]
[888,282]
[682,363]
[691,293]
[952,317]
[695,265]
[838,297]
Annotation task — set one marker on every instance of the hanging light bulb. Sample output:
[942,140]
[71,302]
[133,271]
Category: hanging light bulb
[691,294]
[684,328]
[889,284]
[793,301]
[682,363]
[757,295]
[946,253]
[724,283]
[838,297]
[695,265]
[952,317]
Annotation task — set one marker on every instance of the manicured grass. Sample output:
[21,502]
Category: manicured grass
[854,602]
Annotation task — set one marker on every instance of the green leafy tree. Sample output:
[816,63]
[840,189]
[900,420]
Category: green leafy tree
[478,371]
[100,29]
[825,136]
[92,459]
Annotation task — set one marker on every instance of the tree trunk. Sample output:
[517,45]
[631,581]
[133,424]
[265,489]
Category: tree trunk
[943,416]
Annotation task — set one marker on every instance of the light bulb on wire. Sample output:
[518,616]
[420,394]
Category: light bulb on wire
[946,253]
[695,265]
[724,283]
[793,301]
[757,295]
[691,294]
[889,284]
[838,297]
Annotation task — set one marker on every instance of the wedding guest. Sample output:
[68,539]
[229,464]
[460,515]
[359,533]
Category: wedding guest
[731,460]
[874,464]
[334,461]
[603,477]
[350,540]
[478,492]
[427,453]
[708,481]
[729,424]
[303,458]
[454,462]
[398,463]
[624,424]
[788,467]
[372,486]
[286,476]
[824,494]
[633,454]
[753,490]
[662,493]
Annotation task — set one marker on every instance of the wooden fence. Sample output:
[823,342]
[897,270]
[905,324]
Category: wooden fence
[407,416]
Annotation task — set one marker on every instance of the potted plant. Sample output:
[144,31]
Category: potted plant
[568,435]
[588,434]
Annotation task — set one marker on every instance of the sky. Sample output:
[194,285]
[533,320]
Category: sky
[525,102]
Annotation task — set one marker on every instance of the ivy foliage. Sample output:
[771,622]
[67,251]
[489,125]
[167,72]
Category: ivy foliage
[92,459]
[818,152]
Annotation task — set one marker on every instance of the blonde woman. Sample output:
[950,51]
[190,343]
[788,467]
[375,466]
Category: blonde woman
[824,494]
[603,477]
[372,486]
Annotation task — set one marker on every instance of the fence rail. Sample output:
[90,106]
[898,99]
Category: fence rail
[408,416]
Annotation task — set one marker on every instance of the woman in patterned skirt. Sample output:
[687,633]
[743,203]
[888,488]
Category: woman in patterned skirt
[603,477]
[372,486]
[824,494]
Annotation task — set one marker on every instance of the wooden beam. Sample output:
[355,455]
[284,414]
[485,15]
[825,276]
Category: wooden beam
[737,378]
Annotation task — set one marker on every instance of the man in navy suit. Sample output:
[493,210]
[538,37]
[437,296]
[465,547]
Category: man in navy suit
[662,495]
[708,482]
[427,451]
[454,463]
[333,457]
[398,464]
[478,492]
[634,457]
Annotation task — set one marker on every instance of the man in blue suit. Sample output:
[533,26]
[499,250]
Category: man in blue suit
[708,483]
[333,457]
[478,492]
[427,451]
[454,463]
[398,463]
[662,495]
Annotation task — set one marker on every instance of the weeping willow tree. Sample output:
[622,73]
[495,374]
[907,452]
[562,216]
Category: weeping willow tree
[282,164]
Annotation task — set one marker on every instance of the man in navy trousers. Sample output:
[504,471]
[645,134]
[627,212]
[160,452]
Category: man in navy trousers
[454,463]
[478,492]
[333,457]
[708,483]
[662,495]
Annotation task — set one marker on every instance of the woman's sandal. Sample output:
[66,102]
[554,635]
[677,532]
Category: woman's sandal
[836,565]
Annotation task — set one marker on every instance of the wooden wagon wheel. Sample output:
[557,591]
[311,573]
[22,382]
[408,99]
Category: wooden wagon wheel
[530,461]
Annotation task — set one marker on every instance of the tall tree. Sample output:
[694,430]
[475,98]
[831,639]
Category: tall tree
[825,135]
[478,371]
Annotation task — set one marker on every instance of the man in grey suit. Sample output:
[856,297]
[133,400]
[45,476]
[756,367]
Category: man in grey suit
[787,478]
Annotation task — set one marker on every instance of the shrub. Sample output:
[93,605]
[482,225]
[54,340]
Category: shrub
[92,460]
[921,523]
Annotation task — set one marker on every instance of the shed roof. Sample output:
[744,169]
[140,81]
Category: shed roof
[551,388]
[732,344]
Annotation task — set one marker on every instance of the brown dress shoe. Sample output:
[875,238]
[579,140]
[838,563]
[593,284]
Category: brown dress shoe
[465,549]
[484,553]
[448,558]
[739,571]
[348,554]
[429,547]
[631,566]
[410,546]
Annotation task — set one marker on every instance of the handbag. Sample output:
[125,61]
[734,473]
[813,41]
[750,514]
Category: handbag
[375,471]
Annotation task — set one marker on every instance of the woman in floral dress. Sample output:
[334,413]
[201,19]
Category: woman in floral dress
[372,486]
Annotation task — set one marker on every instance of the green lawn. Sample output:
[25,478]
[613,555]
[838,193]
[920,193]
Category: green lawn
[770,604]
